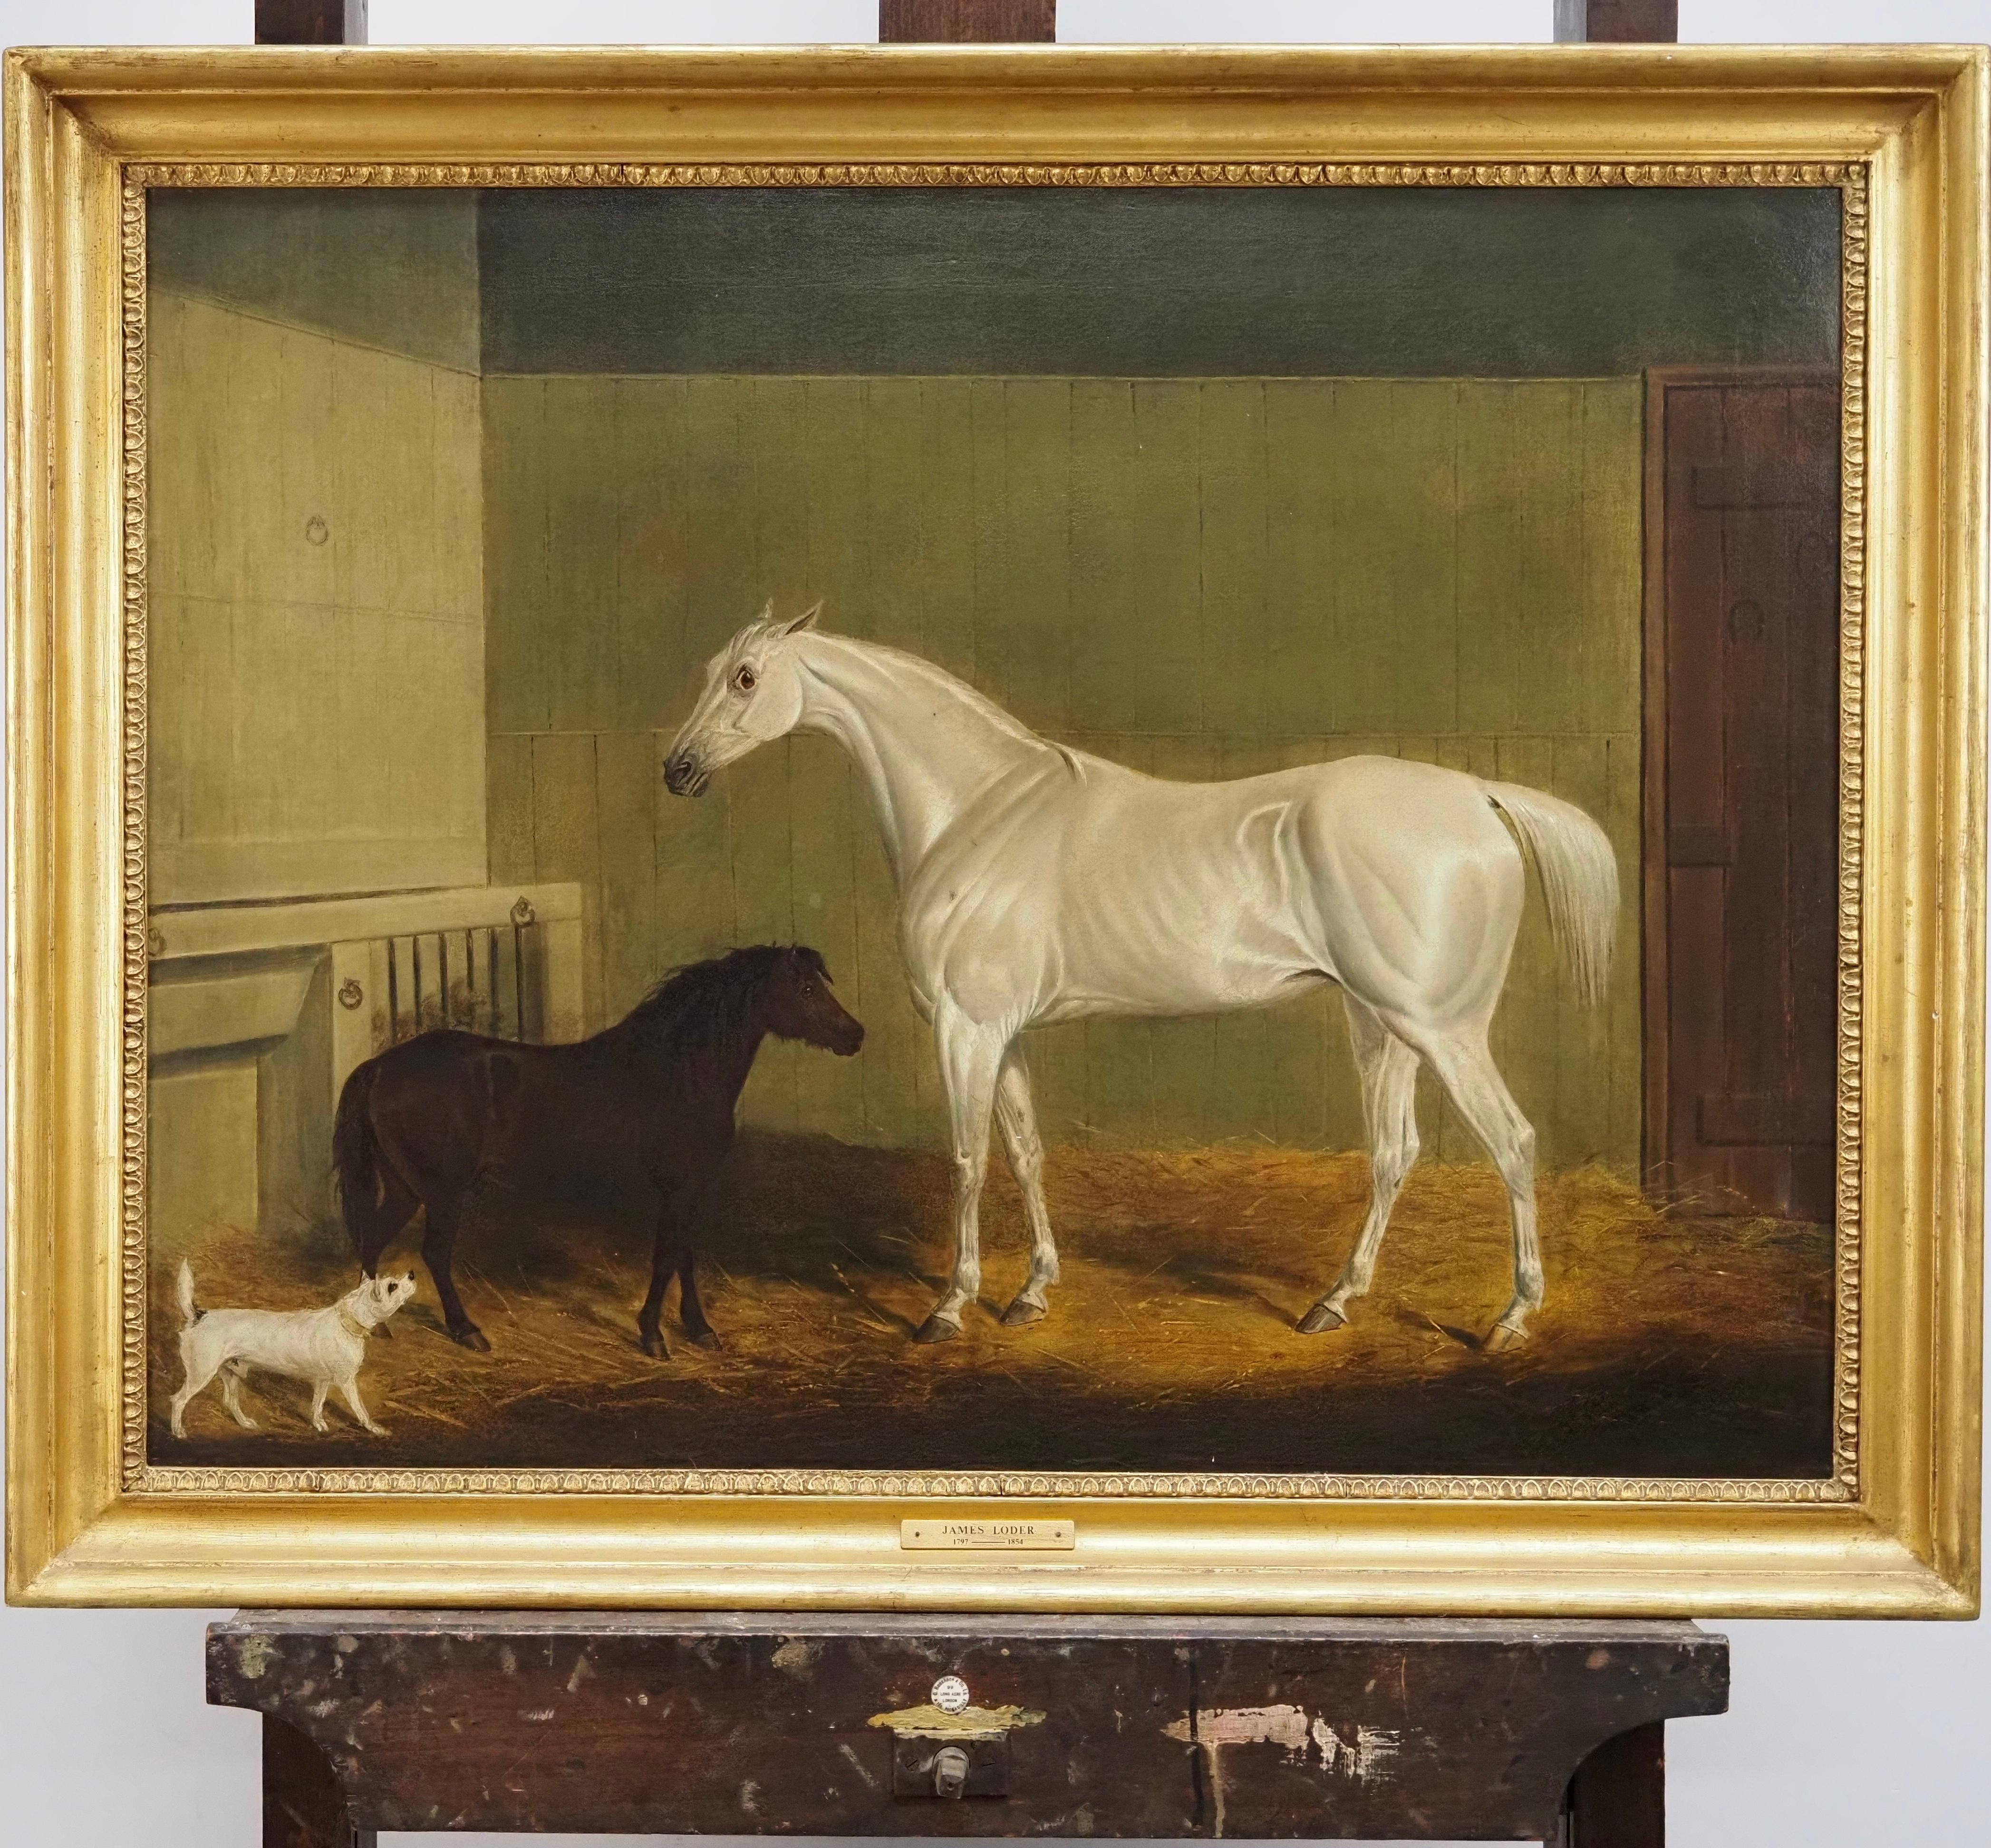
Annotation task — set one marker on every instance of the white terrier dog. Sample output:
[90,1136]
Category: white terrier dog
[324,1347]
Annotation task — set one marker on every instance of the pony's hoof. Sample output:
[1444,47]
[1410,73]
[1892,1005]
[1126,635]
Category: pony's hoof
[1022,1311]
[471,1338]
[1502,1338]
[1321,1316]
[709,1341]
[653,1345]
[934,1329]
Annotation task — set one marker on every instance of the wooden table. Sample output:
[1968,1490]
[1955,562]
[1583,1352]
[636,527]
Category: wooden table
[745,1723]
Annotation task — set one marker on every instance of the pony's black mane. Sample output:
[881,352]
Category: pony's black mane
[715,1001]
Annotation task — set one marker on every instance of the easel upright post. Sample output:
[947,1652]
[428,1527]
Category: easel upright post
[1617,22]
[311,21]
[967,21]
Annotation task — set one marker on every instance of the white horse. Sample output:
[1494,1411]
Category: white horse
[1038,884]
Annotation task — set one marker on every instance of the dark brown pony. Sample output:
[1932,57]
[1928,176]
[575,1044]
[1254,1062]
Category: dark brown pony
[629,1125]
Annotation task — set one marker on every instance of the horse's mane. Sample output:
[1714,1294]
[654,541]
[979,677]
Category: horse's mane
[919,667]
[699,1003]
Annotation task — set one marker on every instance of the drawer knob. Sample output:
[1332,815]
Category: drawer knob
[950,1772]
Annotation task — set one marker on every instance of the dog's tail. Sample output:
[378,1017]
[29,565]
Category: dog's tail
[190,1312]
[355,1158]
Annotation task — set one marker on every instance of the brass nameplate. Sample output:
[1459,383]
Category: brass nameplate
[949,1536]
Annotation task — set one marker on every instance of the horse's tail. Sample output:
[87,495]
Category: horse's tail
[190,1312]
[1579,874]
[355,1159]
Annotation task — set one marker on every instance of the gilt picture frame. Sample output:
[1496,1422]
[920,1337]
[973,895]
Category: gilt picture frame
[784,244]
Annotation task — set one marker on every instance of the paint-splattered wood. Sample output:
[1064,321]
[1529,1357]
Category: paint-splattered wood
[1160,1727]
[304,1805]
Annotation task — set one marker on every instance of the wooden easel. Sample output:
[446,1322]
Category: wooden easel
[763,1723]
[747,1722]
[984,22]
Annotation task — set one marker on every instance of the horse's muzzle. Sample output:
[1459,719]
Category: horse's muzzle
[683,775]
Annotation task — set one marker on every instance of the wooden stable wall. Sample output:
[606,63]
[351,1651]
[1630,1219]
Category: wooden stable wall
[1204,578]
[315,567]
[315,635]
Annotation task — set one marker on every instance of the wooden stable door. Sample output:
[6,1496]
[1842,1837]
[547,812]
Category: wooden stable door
[1741,789]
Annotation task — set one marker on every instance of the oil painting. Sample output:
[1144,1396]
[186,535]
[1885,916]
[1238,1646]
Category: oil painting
[1122,827]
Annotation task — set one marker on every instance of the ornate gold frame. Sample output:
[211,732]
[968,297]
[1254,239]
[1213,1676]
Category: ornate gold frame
[1903,134]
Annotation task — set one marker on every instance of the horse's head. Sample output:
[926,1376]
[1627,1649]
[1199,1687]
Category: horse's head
[753,694]
[797,1004]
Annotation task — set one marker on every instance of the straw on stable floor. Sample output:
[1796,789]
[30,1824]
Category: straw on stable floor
[1183,1274]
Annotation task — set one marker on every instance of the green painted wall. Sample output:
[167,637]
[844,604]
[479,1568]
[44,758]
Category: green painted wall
[315,567]
[392,267]
[315,653]
[1203,578]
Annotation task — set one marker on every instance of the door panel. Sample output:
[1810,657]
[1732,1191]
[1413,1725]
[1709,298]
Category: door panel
[1741,923]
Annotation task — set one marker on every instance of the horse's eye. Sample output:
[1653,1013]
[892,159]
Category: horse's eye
[744,680]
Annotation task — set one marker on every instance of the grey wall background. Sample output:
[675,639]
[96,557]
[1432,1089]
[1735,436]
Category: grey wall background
[1841,1735]
[1171,282]
[963,518]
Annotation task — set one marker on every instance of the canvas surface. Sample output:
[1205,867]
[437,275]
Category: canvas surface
[453,498]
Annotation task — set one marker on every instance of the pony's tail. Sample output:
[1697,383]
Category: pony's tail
[1579,875]
[190,1312]
[356,1160]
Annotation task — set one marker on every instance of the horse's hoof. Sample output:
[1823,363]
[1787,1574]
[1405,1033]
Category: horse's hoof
[1502,1338]
[709,1341]
[1022,1311]
[1321,1316]
[653,1345]
[934,1329]
[472,1339]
